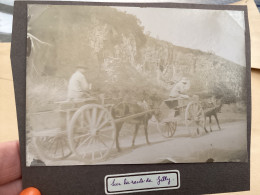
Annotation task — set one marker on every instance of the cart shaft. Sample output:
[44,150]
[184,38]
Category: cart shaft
[133,116]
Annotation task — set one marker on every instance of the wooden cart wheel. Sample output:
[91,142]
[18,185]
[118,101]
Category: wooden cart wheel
[51,144]
[194,117]
[91,133]
[167,129]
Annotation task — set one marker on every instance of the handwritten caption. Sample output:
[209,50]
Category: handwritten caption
[145,181]
[159,180]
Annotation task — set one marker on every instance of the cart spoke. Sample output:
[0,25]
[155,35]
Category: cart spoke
[93,117]
[195,109]
[51,140]
[101,155]
[102,141]
[199,112]
[67,150]
[48,139]
[57,143]
[93,151]
[50,146]
[88,117]
[87,150]
[90,142]
[101,114]
[47,145]
[93,155]
[77,142]
[106,129]
[62,147]
[102,124]
[82,129]
[85,141]
[80,136]
[58,147]
[82,119]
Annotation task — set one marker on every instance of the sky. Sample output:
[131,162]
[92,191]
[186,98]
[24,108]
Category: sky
[6,22]
[7,2]
[218,31]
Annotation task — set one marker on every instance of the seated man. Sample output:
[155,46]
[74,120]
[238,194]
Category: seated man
[78,87]
[179,88]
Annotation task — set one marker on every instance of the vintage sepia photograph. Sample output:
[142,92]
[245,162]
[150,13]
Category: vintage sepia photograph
[135,85]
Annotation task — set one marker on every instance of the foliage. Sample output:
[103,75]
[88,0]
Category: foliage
[122,60]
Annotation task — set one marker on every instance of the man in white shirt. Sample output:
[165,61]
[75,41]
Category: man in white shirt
[179,88]
[78,87]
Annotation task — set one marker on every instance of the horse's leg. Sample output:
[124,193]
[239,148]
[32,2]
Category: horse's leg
[210,123]
[216,117]
[146,132]
[198,131]
[135,133]
[118,128]
[204,126]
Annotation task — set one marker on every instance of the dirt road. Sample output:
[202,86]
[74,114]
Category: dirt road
[228,144]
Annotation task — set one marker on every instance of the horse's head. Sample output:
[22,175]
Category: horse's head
[219,104]
[154,103]
[150,100]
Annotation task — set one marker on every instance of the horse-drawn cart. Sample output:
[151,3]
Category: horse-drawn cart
[185,111]
[86,128]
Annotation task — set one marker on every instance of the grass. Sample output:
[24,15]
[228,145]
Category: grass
[42,95]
